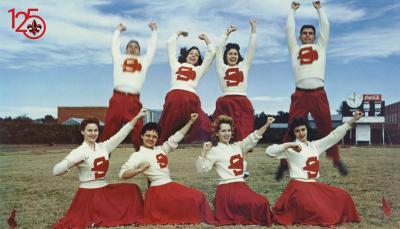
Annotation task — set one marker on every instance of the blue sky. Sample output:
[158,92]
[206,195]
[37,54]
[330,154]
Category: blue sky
[71,64]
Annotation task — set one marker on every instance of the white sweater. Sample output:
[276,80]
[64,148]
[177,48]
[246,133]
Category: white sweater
[127,76]
[185,76]
[233,79]
[305,164]
[95,163]
[228,159]
[158,172]
[308,60]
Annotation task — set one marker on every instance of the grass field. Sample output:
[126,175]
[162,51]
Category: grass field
[40,198]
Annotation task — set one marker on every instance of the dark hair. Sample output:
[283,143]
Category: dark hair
[87,121]
[132,41]
[216,126]
[151,126]
[297,121]
[185,52]
[230,46]
[307,27]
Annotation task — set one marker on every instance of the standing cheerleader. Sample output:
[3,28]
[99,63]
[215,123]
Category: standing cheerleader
[130,71]
[182,100]
[233,71]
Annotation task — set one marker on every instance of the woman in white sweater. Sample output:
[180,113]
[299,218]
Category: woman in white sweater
[166,201]
[233,71]
[235,202]
[182,99]
[97,203]
[305,200]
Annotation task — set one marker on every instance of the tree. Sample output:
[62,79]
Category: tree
[49,119]
[23,119]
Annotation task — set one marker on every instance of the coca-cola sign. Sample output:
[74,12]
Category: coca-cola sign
[372,97]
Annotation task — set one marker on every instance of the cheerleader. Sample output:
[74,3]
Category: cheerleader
[96,203]
[235,202]
[182,100]
[305,200]
[166,202]
[233,71]
[130,71]
[308,65]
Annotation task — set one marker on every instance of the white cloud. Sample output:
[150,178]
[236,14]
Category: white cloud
[369,43]
[78,32]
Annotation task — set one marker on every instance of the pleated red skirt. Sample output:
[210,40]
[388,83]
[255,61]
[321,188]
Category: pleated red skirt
[178,106]
[111,205]
[239,108]
[314,203]
[236,203]
[173,203]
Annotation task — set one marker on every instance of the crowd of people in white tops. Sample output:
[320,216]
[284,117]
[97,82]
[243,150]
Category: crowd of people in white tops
[228,138]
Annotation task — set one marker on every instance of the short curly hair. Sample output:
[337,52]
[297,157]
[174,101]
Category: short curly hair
[151,126]
[184,52]
[89,120]
[230,46]
[297,121]
[216,126]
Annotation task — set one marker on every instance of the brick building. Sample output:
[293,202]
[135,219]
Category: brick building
[392,122]
[65,113]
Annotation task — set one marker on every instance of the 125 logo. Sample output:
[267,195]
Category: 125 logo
[32,26]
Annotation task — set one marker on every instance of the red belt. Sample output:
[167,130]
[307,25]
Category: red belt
[125,93]
[309,90]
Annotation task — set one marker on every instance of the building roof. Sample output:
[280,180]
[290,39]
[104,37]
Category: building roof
[76,121]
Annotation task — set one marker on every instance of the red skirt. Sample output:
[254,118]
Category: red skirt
[314,203]
[239,108]
[111,205]
[173,203]
[178,106]
[236,203]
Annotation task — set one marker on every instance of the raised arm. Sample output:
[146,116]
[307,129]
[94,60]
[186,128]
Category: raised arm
[171,47]
[208,58]
[251,49]
[337,134]
[250,141]
[172,142]
[219,56]
[324,24]
[115,140]
[152,45]
[115,43]
[204,163]
[290,27]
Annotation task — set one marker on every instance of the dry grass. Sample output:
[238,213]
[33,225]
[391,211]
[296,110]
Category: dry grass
[27,183]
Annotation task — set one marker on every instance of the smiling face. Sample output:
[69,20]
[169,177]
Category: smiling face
[232,56]
[149,138]
[300,133]
[307,36]
[193,57]
[90,133]
[225,133]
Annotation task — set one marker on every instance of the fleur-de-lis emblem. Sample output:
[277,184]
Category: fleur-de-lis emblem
[34,27]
